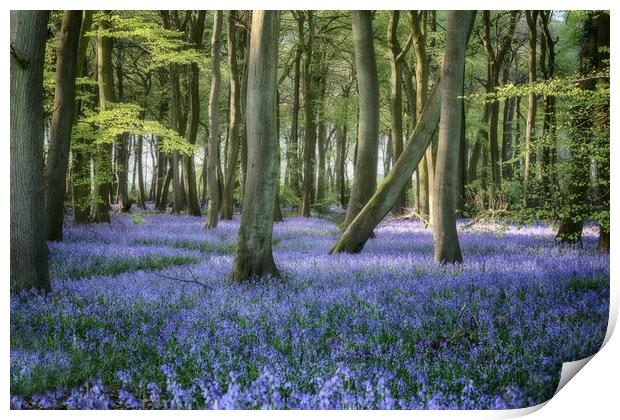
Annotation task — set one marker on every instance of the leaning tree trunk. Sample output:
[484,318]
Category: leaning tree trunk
[365,174]
[29,265]
[62,123]
[356,234]
[214,98]
[447,249]
[254,257]
[103,163]
[234,120]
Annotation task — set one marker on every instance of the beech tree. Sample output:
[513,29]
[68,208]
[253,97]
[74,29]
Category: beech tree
[62,122]
[29,265]
[253,256]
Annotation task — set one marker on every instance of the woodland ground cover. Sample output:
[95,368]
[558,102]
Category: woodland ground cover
[126,326]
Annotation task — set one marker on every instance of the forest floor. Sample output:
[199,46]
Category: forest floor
[142,315]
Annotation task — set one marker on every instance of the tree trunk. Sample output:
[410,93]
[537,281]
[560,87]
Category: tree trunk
[322,133]
[122,144]
[356,234]
[531,17]
[80,165]
[29,264]
[214,98]
[421,77]
[141,193]
[310,125]
[103,163]
[396,102]
[234,121]
[447,249]
[62,123]
[293,157]
[365,174]
[253,257]
[193,114]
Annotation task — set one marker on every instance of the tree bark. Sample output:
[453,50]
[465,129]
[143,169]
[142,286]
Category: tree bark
[447,249]
[140,171]
[365,174]
[29,264]
[197,21]
[62,123]
[293,157]
[310,124]
[253,257]
[356,234]
[234,121]
[214,98]
[103,163]
[531,17]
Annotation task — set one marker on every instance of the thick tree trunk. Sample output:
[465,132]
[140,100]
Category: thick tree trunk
[103,163]
[356,234]
[234,121]
[447,249]
[365,174]
[214,98]
[29,264]
[62,123]
[253,257]
[310,125]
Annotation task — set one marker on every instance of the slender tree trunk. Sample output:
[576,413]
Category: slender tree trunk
[310,124]
[322,133]
[234,121]
[212,165]
[365,174]
[139,170]
[29,265]
[447,249]
[62,122]
[396,102]
[103,163]
[293,158]
[421,77]
[80,165]
[531,17]
[122,144]
[253,257]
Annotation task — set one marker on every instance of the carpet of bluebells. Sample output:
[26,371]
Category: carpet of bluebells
[143,315]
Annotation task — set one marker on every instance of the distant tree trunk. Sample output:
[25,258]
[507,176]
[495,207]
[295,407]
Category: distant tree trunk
[365,174]
[531,17]
[234,121]
[547,67]
[193,114]
[396,101]
[62,122]
[322,133]
[421,77]
[122,144]
[595,36]
[29,264]
[103,163]
[293,156]
[80,165]
[356,234]
[447,249]
[277,211]
[310,124]
[139,169]
[253,257]
[212,165]
[341,156]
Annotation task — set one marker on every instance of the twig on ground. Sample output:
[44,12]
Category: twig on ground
[186,281]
